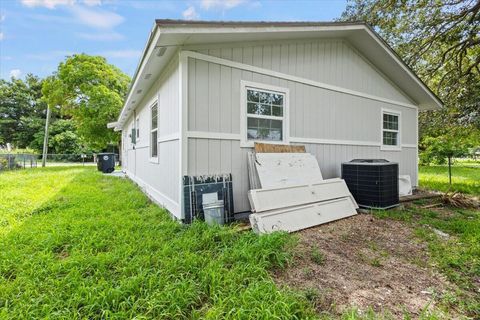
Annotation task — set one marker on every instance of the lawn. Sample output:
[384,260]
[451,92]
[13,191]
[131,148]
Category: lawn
[465,178]
[77,244]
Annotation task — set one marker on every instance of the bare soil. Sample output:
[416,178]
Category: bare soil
[364,262]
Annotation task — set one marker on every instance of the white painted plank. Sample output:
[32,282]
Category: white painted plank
[301,217]
[287,169]
[276,198]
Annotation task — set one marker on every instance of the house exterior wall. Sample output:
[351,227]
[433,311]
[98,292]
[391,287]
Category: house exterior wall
[333,61]
[335,126]
[158,177]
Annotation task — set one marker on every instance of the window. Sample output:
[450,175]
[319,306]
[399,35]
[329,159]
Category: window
[137,125]
[390,129]
[264,112]
[133,139]
[154,131]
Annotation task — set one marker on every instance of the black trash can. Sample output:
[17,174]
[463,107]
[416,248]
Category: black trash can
[106,162]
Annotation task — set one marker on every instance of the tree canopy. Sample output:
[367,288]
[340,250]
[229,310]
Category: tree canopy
[22,119]
[21,110]
[440,40]
[91,91]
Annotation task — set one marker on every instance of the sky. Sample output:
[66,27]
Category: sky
[36,35]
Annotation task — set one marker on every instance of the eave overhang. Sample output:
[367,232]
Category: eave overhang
[168,36]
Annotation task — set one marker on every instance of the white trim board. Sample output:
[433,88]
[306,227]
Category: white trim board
[156,196]
[213,135]
[280,75]
[335,142]
[392,54]
[182,125]
[236,136]
[168,137]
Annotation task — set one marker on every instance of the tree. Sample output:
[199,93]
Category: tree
[21,110]
[63,138]
[91,91]
[440,41]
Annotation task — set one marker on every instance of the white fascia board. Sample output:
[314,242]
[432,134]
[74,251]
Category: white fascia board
[147,52]
[255,29]
[402,65]
[111,125]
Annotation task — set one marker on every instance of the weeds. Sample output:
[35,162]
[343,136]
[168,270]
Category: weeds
[456,257]
[317,257]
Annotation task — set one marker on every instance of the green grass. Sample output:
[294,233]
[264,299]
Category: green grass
[77,244]
[25,191]
[465,178]
[457,257]
[317,256]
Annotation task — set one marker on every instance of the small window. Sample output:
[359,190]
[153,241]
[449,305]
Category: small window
[137,125]
[154,131]
[265,114]
[391,129]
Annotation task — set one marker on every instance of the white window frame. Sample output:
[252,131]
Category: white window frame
[153,159]
[244,85]
[397,147]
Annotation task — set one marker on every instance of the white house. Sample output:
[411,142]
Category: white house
[203,92]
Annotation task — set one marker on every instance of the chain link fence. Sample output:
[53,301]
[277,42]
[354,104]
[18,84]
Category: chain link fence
[13,161]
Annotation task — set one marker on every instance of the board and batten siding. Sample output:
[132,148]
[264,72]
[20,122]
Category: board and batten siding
[332,61]
[314,114]
[159,178]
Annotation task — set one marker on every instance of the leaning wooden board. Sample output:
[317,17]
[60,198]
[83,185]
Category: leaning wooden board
[287,169]
[277,198]
[277,148]
[301,217]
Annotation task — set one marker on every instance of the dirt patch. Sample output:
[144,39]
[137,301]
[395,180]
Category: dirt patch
[364,262]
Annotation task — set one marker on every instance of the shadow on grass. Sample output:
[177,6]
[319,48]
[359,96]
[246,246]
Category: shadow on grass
[26,192]
[101,249]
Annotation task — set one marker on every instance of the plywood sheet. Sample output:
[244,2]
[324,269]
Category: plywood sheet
[278,148]
[276,198]
[302,217]
[287,169]
[252,171]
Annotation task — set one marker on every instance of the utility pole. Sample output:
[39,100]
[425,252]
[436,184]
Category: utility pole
[45,138]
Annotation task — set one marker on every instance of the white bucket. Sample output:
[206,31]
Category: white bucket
[214,213]
[404,186]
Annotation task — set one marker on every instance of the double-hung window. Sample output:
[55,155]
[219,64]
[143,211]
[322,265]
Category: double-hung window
[154,131]
[264,114]
[390,130]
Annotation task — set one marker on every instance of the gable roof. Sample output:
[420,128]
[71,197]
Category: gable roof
[169,35]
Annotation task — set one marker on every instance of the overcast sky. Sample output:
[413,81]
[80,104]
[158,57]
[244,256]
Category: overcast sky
[35,35]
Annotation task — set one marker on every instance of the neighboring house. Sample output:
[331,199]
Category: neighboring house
[205,91]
